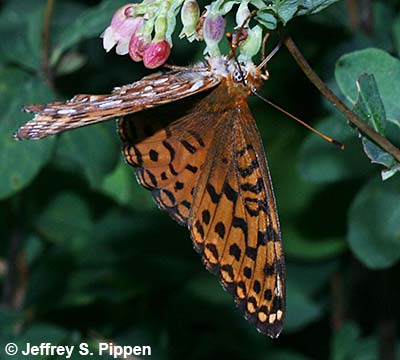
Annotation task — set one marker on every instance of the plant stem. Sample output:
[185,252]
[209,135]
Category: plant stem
[338,307]
[46,68]
[16,273]
[350,115]
[387,339]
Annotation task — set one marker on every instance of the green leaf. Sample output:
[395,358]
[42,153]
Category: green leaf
[90,23]
[383,66]
[93,150]
[344,342]
[374,224]
[65,218]
[320,272]
[206,288]
[379,156]
[321,162]
[122,186]
[348,344]
[310,7]
[21,47]
[298,246]
[369,105]
[20,161]
[285,10]
[370,108]
[301,309]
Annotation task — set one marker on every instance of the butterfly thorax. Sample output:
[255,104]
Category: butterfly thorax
[241,80]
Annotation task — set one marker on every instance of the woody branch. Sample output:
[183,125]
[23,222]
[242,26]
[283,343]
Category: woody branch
[350,115]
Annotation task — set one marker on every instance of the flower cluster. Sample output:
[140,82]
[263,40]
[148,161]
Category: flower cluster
[144,29]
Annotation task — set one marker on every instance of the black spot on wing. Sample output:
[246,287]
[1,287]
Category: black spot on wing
[213,194]
[191,168]
[220,230]
[235,251]
[188,146]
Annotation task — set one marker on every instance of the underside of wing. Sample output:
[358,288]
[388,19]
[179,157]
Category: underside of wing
[205,165]
[83,110]
[234,221]
[167,147]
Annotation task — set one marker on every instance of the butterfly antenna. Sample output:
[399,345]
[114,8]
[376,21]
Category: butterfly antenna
[325,137]
[270,55]
[264,44]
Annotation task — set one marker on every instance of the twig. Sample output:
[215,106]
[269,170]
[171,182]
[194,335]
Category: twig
[338,309]
[387,339]
[353,12]
[15,274]
[46,68]
[351,116]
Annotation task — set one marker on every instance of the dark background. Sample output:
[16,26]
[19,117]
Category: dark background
[86,255]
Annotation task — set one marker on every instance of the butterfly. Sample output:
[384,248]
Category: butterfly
[193,142]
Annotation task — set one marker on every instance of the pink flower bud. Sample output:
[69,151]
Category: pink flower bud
[156,54]
[136,47]
[213,31]
[213,28]
[121,29]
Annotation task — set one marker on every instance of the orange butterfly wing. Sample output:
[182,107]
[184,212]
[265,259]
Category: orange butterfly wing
[206,167]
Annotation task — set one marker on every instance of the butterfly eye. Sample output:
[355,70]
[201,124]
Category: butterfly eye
[239,75]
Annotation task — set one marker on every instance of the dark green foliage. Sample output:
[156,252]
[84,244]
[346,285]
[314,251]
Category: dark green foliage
[98,260]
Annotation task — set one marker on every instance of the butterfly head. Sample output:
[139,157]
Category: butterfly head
[242,78]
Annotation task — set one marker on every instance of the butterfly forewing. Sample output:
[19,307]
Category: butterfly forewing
[83,110]
[207,169]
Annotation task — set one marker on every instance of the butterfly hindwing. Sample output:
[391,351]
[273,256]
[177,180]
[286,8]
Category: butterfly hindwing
[167,147]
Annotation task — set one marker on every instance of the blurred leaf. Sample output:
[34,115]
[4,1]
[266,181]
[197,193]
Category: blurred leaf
[383,66]
[347,344]
[65,218]
[396,34]
[122,186]
[19,161]
[321,162]
[298,246]
[208,289]
[374,224]
[69,63]
[93,150]
[320,273]
[21,47]
[301,309]
[344,342]
[42,332]
[89,23]
[10,321]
